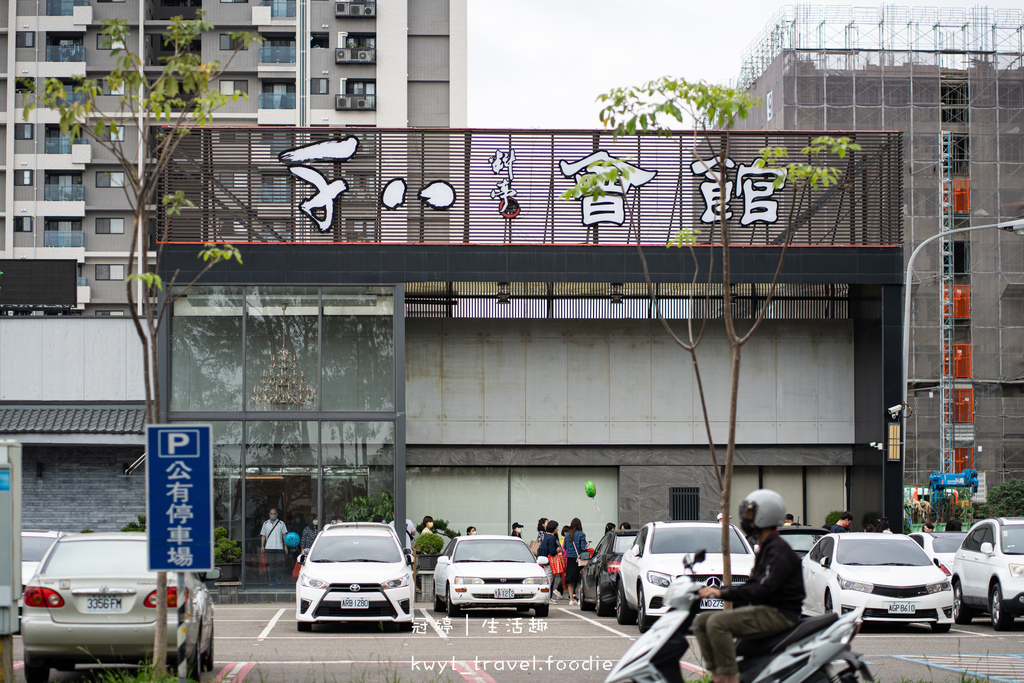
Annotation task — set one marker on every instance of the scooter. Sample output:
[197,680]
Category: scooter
[804,653]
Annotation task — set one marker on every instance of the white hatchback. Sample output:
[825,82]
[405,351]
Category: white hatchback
[889,576]
[355,571]
[656,558]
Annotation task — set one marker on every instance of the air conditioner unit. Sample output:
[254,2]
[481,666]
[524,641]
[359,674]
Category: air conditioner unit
[369,11]
[364,56]
[362,103]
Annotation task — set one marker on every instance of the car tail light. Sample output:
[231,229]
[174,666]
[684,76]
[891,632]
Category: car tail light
[172,597]
[43,597]
[945,570]
[613,566]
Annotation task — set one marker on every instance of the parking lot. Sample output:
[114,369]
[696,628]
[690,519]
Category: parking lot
[261,643]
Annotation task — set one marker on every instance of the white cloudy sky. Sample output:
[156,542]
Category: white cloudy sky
[542,63]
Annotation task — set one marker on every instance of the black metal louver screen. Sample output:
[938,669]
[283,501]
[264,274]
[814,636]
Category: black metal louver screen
[684,503]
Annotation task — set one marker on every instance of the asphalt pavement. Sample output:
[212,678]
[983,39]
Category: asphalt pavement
[260,643]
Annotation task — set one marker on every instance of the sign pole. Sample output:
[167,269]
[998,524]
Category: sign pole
[182,662]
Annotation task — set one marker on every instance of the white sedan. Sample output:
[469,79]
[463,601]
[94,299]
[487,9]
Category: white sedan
[887,575]
[941,546]
[490,571]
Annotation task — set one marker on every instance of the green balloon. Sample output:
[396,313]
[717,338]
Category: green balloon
[590,489]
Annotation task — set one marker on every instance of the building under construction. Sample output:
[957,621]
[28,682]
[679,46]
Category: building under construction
[953,81]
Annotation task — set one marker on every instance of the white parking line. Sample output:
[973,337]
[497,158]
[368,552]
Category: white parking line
[433,624]
[270,626]
[596,623]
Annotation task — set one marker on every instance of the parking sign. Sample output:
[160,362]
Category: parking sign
[179,497]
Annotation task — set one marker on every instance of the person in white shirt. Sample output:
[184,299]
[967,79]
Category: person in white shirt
[272,546]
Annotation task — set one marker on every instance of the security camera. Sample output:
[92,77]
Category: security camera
[894,411]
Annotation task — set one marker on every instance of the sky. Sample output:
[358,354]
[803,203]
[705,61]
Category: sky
[542,63]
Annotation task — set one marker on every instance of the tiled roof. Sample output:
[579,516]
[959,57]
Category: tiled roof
[72,420]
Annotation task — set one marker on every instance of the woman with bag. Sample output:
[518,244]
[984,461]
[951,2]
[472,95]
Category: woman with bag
[549,548]
[577,555]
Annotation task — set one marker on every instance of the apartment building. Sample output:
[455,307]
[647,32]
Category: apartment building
[953,81]
[321,63]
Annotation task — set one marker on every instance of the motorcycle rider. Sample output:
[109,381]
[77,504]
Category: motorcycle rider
[768,603]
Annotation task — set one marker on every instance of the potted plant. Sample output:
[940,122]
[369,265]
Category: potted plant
[428,547]
[226,555]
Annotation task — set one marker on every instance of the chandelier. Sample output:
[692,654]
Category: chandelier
[284,384]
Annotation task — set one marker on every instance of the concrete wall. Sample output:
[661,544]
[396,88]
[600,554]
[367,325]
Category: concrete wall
[509,382]
[69,359]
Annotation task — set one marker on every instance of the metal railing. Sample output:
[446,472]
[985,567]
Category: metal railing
[63,8]
[277,54]
[280,8]
[64,193]
[82,281]
[61,145]
[277,100]
[63,238]
[65,53]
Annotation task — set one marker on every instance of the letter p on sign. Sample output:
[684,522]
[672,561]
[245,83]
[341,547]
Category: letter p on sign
[183,443]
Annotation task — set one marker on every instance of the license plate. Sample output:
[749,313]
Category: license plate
[504,592]
[902,608]
[355,603]
[712,603]
[103,604]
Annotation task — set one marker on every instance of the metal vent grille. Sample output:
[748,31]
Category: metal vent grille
[684,503]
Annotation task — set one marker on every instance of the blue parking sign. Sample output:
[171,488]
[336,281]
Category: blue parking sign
[179,497]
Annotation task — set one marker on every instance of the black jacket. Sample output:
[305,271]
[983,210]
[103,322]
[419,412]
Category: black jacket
[777,580]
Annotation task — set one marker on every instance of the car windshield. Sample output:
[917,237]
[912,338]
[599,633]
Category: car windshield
[101,557]
[34,547]
[492,551]
[802,542]
[622,543]
[1013,539]
[948,543]
[691,539]
[352,548]
[897,552]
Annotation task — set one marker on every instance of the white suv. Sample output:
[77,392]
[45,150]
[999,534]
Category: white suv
[988,572]
[656,558]
[356,571]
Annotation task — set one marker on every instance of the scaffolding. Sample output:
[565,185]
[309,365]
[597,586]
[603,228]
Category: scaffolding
[951,35]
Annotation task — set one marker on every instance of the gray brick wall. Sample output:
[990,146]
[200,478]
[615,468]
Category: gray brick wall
[81,487]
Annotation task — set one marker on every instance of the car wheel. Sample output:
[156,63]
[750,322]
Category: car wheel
[304,626]
[603,609]
[941,628]
[1001,620]
[643,622]
[454,611]
[623,614]
[542,611]
[962,614]
[36,673]
[206,661]
[828,602]
[439,605]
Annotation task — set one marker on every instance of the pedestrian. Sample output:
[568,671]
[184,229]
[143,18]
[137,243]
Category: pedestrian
[428,525]
[790,520]
[549,548]
[625,526]
[610,526]
[869,528]
[379,519]
[883,526]
[843,525]
[576,550]
[928,527]
[517,529]
[309,534]
[954,525]
[470,530]
[542,524]
[272,546]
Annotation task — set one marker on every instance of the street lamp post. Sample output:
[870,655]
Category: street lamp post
[900,412]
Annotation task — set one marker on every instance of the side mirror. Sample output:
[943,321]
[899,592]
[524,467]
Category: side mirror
[443,559]
[213,574]
[823,562]
[633,551]
[757,548]
[699,556]
[986,548]
[301,559]
[408,558]
[542,560]
[936,562]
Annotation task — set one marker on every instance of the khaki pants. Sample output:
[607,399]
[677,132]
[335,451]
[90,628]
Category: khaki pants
[716,633]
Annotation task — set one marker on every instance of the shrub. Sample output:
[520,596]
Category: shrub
[832,517]
[1007,499]
[225,550]
[86,531]
[363,508]
[429,544]
[440,527]
[137,527]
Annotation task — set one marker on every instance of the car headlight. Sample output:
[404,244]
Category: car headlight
[467,579]
[1016,569]
[396,583]
[659,579]
[861,586]
[536,580]
[310,582]
[938,587]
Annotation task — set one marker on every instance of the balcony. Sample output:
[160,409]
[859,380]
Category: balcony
[64,193]
[83,282]
[355,102]
[277,100]
[280,8]
[63,238]
[61,145]
[355,55]
[355,9]
[276,54]
[65,53]
[64,8]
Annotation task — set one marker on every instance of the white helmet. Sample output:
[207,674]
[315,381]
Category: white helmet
[761,509]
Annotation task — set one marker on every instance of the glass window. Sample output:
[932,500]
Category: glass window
[622,544]
[282,337]
[947,542]
[359,349]
[692,539]
[511,550]
[109,226]
[110,179]
[355,548]
[109,271]
[34,547]
[1012,539]
[358,468]
[897,552]
[228,507]
[206,350]
[99,558]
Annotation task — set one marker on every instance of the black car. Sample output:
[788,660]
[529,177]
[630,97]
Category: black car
[801,538]
[599,580]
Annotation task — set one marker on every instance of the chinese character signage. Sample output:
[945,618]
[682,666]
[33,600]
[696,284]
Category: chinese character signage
[179,497]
